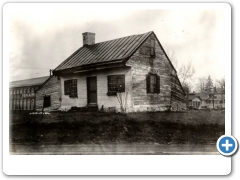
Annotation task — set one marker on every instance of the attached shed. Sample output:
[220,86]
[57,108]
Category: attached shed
[49,95]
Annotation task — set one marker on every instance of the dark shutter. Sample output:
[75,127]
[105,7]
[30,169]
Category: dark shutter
[67,87]
[47,101]
[157,84]
[148,83]
[108,84]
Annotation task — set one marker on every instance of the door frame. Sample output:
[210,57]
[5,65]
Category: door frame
[87,80]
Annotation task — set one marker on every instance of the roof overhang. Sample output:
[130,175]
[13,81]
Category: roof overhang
[91,67]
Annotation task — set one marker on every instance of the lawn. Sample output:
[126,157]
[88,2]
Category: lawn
[192,127]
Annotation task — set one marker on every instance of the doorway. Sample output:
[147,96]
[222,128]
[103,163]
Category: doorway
[92,90]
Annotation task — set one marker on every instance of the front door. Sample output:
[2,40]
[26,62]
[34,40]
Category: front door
[92,90]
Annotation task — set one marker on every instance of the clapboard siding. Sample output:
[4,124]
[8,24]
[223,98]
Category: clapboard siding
[143,64]
[51,87]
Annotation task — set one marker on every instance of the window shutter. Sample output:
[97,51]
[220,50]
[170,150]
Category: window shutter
[65,87]
[157,84]
[148,83]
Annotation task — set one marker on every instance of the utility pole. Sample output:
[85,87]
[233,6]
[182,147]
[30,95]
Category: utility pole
[43,107]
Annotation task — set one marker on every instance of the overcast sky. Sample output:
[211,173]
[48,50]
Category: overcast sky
[41,37]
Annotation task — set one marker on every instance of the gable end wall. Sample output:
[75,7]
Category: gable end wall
[51,87]
[141,64]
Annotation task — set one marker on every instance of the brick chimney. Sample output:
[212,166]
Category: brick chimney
[88,38]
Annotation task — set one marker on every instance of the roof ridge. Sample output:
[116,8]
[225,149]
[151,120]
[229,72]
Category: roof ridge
[29,79]
[121,38]
[89,54]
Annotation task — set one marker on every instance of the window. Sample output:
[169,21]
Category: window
[11,104]
[24,104]
[32,104]
[153,83]
[152,47]
[70,87]
[20,105]
[116,83]
[47,101]
[28,104]
[14,104]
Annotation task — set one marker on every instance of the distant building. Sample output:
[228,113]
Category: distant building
[206,100]
[33,94]
[23,93]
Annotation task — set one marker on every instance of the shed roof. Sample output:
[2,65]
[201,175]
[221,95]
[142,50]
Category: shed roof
[28,82]
[117,49]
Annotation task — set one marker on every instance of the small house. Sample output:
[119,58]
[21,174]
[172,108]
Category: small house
[129,74]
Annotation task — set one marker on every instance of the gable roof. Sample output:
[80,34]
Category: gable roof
[117,50]
[198,97]
[201,95]
[191,97]
[28,82]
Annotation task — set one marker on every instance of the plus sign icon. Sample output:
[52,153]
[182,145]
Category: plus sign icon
[227,145]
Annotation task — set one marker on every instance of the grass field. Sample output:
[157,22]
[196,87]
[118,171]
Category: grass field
[192,127]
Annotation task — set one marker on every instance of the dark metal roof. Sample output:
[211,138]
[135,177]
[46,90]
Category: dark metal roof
[28,82]
[201,95]
[117,49]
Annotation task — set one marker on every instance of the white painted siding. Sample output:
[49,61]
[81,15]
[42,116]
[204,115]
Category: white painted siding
[102,88]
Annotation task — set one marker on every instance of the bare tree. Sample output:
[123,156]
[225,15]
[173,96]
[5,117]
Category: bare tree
[185,71]
[221,85]
[122,99]
[201,84]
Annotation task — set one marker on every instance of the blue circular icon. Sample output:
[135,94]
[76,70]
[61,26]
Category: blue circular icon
[227,145]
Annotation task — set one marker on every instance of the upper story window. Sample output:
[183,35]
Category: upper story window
[152,48]
[153,83]
[116,83]
[32,90]
[70,87]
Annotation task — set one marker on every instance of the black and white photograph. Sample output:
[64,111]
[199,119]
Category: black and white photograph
[89,79]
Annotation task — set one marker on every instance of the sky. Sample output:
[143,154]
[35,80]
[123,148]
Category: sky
[42,36]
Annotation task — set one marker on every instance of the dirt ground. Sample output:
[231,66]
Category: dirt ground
[191,127]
